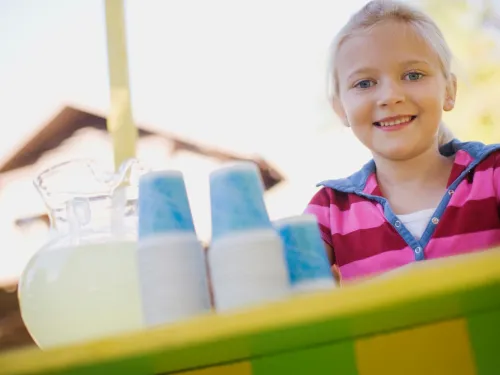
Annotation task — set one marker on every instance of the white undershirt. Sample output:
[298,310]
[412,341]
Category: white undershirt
[416,222]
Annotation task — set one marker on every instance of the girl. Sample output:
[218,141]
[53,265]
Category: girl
[424,194]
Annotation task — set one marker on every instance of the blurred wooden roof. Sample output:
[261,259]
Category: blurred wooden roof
[13,333]
[70,119]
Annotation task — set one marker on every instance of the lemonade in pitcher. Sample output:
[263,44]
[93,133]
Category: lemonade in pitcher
[83,284]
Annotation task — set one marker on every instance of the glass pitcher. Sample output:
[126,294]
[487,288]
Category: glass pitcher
[82,285]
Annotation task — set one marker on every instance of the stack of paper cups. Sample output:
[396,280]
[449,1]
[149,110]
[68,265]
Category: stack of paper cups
[246,256]
[171,260]
[307,262]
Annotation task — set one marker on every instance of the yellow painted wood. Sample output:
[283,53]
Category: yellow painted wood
[436,349]
[341,307]
[243,368]
[120,121]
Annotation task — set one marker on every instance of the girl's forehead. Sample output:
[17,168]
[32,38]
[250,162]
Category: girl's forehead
[384,45]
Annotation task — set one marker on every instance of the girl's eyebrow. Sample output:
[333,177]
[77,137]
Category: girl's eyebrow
[413,62]
[362,70]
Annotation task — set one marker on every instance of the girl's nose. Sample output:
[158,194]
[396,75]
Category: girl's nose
[390,93]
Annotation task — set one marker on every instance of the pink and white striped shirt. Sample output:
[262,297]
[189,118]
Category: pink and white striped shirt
[368,238]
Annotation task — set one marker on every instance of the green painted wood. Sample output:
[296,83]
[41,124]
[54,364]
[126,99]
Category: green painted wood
[484,332]
[126,366]
[323,360]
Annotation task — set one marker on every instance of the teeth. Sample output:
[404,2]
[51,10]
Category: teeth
[395,122]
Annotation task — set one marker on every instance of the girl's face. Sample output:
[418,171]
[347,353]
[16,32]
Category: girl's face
[392,90]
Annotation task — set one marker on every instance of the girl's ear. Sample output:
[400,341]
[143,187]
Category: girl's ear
[339,109]
[451,94]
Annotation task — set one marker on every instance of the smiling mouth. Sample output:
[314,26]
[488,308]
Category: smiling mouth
[400,121]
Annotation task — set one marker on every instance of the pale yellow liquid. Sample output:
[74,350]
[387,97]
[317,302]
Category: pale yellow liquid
[79,294]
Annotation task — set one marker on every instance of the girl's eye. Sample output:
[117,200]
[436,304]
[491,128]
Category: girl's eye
[413,76]
[364,84]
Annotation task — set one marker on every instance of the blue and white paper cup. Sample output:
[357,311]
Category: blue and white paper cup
[163,204]
[246,256]
[171,261]
[237,199]
[305,254]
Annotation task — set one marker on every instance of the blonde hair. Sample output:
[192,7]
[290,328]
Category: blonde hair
[378,11]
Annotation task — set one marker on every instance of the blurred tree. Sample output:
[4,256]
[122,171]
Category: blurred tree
[491,13]
[476,50]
